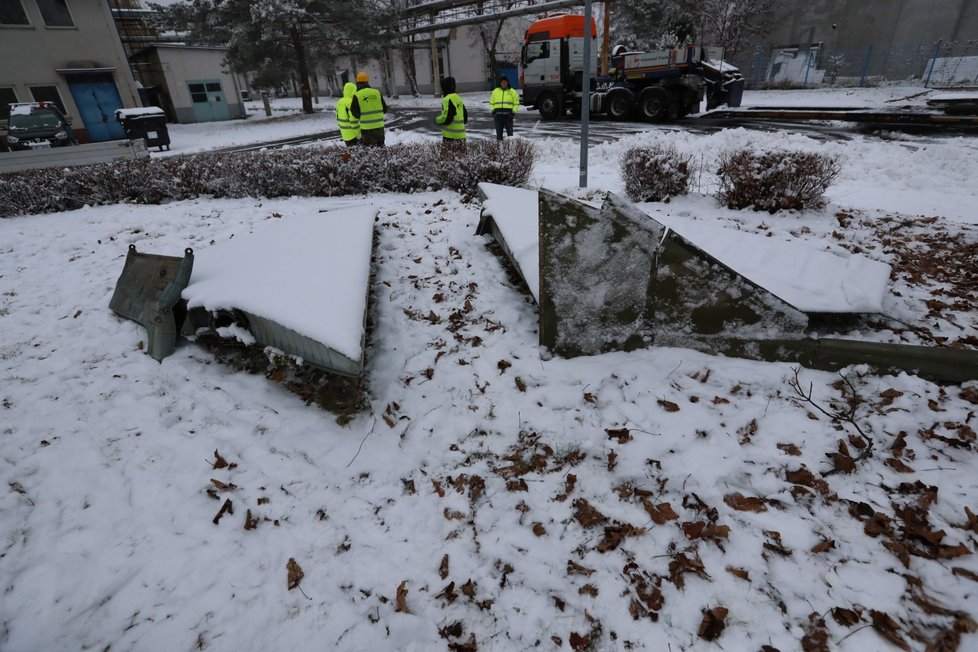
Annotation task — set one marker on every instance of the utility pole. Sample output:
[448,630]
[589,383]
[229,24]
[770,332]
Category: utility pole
[435,72]
[604,37]
[585,92]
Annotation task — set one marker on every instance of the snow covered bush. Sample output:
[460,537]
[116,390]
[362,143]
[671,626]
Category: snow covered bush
[774,181]
[462,167]
[310,172]
[655,173]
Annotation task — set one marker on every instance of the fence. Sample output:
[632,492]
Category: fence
[939,64]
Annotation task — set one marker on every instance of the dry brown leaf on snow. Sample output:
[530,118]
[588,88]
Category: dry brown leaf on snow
[842,461]
[520,385]
[587,515]
[747,431]
[816,638]
[969,394]
[789,449]
[623,435]
[402,592]
[964,572]
[219,462]
[898,466]
[713,623]
[660,513]
[576,569]
[615,534]
[443,567]
[295,573]
[668,406]
[745,503]
[469,588]
[226,508]
[251,522]
[468,646]
[971,524]
[448,594]
[742,573]
[846,617]
[774,544]
[538,529]
[887,628]
[223,486]
[824,546]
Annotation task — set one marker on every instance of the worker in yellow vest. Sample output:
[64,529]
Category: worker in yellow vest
[348,123]
[453,114]
[369,108]
[504,103]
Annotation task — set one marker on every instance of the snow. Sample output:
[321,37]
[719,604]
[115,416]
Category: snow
[132,113]
[801,274]
[107,456]
[517,214]
[309,273]
[21,109]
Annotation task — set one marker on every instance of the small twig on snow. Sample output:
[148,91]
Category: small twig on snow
[361,445]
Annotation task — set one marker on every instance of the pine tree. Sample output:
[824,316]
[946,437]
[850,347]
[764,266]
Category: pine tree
[275,39]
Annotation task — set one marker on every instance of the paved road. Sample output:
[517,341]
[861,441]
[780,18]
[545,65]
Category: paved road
[602,130]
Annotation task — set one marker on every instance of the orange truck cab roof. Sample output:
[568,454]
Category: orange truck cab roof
[565,25]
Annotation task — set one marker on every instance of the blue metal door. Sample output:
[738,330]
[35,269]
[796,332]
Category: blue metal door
[208,100]
[97,99]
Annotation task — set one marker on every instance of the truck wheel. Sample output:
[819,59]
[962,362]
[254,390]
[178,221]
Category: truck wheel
[652,104]
[619,105]
[549,106]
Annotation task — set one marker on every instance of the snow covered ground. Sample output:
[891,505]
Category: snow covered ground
[490,498]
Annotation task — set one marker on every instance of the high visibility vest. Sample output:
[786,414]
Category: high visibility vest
[504,99]
[455,130]
[348,123]
[371,109]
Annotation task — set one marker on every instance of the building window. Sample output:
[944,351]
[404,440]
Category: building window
[55,13]
[12,13]
[48,94]
[197,93]
[7,97]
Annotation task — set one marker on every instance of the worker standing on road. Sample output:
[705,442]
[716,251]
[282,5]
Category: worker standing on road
[453,114]
[348,123]
[369,108]
[504,103]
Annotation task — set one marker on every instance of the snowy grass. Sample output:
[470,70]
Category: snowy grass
[487,495]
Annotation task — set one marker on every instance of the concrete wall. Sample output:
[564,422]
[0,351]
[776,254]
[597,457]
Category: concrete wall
[31,55]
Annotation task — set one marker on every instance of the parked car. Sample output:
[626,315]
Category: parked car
[38,125]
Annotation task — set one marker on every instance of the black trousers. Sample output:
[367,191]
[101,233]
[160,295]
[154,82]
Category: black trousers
[503,119]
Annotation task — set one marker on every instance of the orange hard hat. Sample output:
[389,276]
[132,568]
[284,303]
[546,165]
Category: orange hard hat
[362,77]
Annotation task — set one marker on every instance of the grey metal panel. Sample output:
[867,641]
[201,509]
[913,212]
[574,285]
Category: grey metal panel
[597,276]
[270,333]
[148,292]
[113,150]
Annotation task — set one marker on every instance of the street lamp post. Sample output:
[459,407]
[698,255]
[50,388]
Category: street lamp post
[585,92]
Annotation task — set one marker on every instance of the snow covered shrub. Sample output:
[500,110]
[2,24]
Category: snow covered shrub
[655,173]
[462,168]
[774,181]
[310,172]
